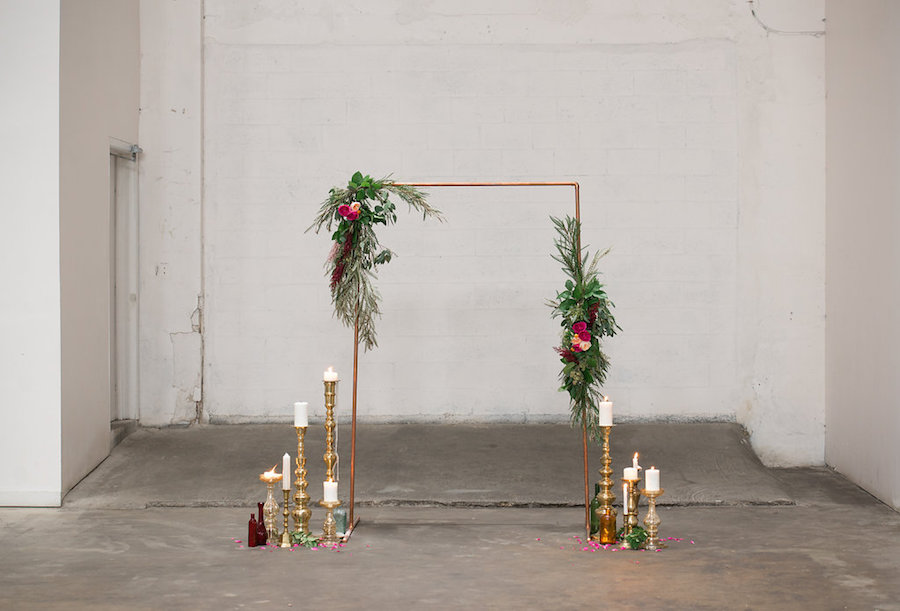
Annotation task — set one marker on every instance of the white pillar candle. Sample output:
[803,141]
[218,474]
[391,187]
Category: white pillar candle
[286,471]
[329,491]
[604,416]
[629,473]
[301,413]
[651,479]
[330,375]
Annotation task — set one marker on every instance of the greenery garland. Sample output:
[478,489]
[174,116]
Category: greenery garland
[356,252]
[586,315]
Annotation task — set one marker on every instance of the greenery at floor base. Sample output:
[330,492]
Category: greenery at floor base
[306,539]
[635,539]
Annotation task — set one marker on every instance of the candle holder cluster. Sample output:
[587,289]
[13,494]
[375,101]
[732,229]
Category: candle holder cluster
[301,512]
[632,492]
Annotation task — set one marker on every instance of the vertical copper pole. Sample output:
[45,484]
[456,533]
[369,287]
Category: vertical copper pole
[584,444]
[353,417]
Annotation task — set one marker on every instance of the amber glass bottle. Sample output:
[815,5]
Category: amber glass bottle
[608,525]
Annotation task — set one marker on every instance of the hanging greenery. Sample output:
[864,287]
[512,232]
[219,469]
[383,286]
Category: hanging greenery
[356,253]
[586,317]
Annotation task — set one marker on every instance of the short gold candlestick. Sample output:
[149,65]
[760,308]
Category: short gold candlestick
[606,514]
[301,512]
[330,455]
[329,529]
[652,520]
[286,533]
[630,505]
[270,513]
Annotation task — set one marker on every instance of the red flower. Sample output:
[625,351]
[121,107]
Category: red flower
[343,209]
[576,347]
[579,326]
[352,215]
[585,336]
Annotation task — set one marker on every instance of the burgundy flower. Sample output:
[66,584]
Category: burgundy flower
[566,355]
[579,326]
[352,215]
[343,209]
[576,347]
[336,275]
[592,313]
[585,336]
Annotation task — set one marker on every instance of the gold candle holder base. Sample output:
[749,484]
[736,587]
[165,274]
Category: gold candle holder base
[329,528]
[302,512]
[652,521]
[605,512]
[286,533]
[630,505]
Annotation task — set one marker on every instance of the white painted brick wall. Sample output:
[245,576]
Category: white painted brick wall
[663,111]
[465,332]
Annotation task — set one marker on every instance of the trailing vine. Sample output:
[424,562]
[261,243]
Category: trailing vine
[352,264]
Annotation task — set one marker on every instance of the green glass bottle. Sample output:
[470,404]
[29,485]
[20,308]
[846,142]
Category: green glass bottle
[595,504]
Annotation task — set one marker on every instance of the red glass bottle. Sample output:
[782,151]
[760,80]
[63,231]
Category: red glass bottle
[261,534]
[251,534]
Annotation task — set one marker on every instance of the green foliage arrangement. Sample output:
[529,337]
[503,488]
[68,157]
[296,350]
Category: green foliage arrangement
[635,539]
[354,212]
[586,316]
[305,539]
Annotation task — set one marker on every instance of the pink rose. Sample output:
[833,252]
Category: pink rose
[576,348]
[585,336]
[579,326]
[352,215]
[343,209]
[585,346]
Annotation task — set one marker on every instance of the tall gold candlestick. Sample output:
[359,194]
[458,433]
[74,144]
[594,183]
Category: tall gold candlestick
[301,512]
[605,512]
[330,455]
[286,533]
[652,520]
[630,505]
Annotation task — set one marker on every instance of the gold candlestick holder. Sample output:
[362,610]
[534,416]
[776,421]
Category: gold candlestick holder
[302,512]
[630,505]
[329,528]
[286,533]
[606,514]
[270,512]
[330,455]
[652,520]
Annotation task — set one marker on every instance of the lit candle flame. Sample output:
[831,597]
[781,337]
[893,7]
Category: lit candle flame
[634,462]
[271,475]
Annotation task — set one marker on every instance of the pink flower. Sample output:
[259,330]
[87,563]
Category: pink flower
[352,215]
[579,326]
[354,206]
[585,346]
[576,348]
[343,209]
[585,336]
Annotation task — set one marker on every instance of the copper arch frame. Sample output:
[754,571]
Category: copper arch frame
[575,185]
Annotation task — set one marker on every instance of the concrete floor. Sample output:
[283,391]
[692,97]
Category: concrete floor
[155,527]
